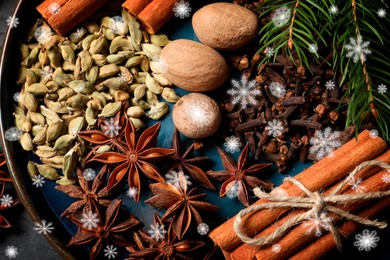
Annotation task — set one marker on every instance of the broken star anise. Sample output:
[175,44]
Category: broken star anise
[139,156]
[181,162]
[89,195]
[170,247]
[237,176]
[114,229]
[183,206]
[5,206]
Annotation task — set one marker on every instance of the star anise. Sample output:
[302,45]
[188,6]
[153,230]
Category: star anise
[237,176]
[5,206]
[90,195]
[183,206]
[114,230]
[139,156]
[181,162]
[170,247]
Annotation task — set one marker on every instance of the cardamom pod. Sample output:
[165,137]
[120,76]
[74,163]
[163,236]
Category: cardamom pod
[29,101]
[23,123]
[54,54]
[153,85]
[31,77]
[67,53]
[32,57]
[137,122]
[133,61]
[38,89]
[97,45]
[90,116]
[170,95]
[70,161]
[121,95]
[77,101]
[37,118]
[110,109]
[32,170]
[40,137]
[120,43]
[151,50]
[151,98]
[75,125]
[108,71]
[135,111]
[81,86]
[63,142]
[140,92]
[53,131]
[159,39]
[26,142]
[157,111]
[65,93]
[115,59]
[103,149]
[47,171]
[86,60]
[92,74]
[99,59]
[55,162]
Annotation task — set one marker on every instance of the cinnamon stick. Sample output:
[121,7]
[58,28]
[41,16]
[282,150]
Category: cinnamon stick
[246,251]
[135,6]
[319,176]
[324,244]
[65,15]
[297,238]
[156,14]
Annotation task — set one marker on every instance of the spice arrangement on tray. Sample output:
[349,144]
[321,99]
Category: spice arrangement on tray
[90,90]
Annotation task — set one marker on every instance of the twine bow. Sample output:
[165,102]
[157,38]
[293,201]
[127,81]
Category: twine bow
[317,205]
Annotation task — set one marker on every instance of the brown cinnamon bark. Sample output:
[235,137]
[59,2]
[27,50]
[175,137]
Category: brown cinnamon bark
[156,14]
[135,6]
[319,176]
[65,15]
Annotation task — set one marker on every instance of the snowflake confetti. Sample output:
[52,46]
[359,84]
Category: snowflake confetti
[356,185]
[357,49]
[178,179]
[203,229]
[13,134]
[269,51]
[182,9]
[157,232]
[132,192]
[89,174]
[324,142]
[382,89]
[381,13]
[318,224]
[244,92]
[333,9]
[47,72]
[16,97]
[366,240]
[42,34]
[232,144]
[110,251]
[123,78]
[280,192]
[13,21]
[54,8]
[89,220]
[79,33]
[111,127]
[44,228]
[233,191]
[386,178]
[11,252]
[274,128]
[119,25]
[276,248]
[6,200]
[281,16]
[277,89]
[373,133]
[330,85]
[313,48]
[38,181]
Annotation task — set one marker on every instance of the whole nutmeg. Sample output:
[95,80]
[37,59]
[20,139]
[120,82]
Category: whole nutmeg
[196,115]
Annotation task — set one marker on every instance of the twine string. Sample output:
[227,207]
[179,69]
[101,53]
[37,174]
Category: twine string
[316,204]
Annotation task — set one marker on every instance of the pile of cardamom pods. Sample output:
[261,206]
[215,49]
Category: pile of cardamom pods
[70,82]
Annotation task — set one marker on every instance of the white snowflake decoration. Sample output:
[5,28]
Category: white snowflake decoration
[373,133]
[178,179]
[233,191]
[324,142]
[318,224]
[330,85]
[357,49]
[333,9]
[12,21]
[244,92]
[274,128]
[16,97]
[13,134]
[382,89]
[89,174]
[157,232]
[89,220]
[276,248]
[38,181]
[232,144]
[111,127]
[123,78]
[47,72]
[182,9]
[132,192]
[277,89]
[11,252]
[79,33]
[119,25]
[200,115]
[356,185]
[42,34]
[366,240]
[6,200]
[43,228]
[269,51]
[381,13]
[386,178]
[110,251]
[54,8]
[313,48]
[281,16]
[279,192]
[203,229]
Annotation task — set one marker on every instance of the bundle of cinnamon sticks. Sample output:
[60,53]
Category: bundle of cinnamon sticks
[324,175]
